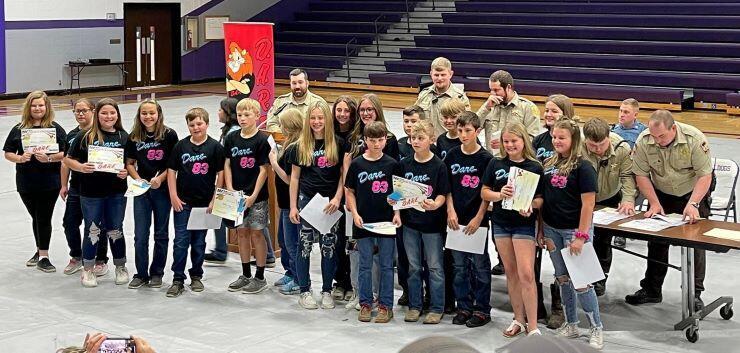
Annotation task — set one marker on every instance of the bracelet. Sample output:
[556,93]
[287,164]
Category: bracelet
[581,235]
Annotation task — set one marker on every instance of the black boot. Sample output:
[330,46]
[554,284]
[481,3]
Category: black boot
[541,311]
[557,317]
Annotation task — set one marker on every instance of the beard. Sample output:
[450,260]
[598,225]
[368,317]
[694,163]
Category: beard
[299,93]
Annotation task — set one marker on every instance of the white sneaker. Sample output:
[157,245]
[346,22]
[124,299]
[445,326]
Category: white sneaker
[352,302]
[307,301]
[568,330]
[73,266]
[100,269]
[121,275]
[596,339]
[327,301]
[89,279]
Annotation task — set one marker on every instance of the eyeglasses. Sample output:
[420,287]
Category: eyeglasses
[367,110]
[81,111]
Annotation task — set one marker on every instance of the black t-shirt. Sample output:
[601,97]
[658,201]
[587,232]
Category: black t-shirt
[390,149]
[321,176]
[99,184]
[344,135]
[466,173]
[433,173]
[197,167]
[497,176]
[543,148]
[34,175]
[445,144]
[151,155]
[372,182]
[283,189]
[74,179]
[246,155]
[405,150]
[562,196]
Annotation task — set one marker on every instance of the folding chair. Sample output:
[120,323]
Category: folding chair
[723,197]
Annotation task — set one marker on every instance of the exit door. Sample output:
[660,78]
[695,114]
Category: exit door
[150,44]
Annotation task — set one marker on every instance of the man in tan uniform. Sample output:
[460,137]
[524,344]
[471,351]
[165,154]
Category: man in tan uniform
[610,156]
[673,171]
[299,97]
[431,98]
[504,106]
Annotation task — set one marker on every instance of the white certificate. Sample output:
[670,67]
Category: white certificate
[408,193]
[230,205]
[39,140]
[607,215]
[385,228]
[200,219]
[474,243]
[525,185]
[106,159]
[314,214]
[136,187]
[583,269]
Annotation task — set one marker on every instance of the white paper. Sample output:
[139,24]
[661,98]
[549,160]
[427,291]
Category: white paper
[273,145]
[656,223]
[136,187]
[408,193]
[525,185]
[385,228]
[607,215]
[724,234]
[583,269]
[200,220]
[314,214]
[348,222]
[474,243]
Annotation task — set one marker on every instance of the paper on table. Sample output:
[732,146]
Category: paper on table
[475,243]
[525,185]
[607,215]
[583,269]
[408,193]
[106,159]
[314,214]
[724,234]
[39,140]
[136,187]
[199,219]
[385,228]
[656,223]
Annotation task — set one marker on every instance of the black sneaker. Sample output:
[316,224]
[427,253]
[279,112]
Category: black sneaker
[137,283]
[212,259]
[698,303]
[478,320]
[642,297]
[176,289]
[498,270]
[155,282]
[33,260]
[462,317]
[45,265]
[404,299]
[450,309]
[600,288]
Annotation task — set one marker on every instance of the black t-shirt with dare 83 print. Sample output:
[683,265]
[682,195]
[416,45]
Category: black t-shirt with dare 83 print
[433,173]
[151,155]
[497,176]
[34,175]
[197,167]
[321,176]
[246,155]
[99,184]
[562,195]
[372,182]
[543,148]
[466,180]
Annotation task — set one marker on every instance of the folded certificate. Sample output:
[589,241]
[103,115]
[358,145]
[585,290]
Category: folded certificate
[200,219]
[384,228]
[136,187]
[525,185]
[583,269]
[408,193]
[229,205]
[39,140]
[314,214]
[106,159]
[474,243]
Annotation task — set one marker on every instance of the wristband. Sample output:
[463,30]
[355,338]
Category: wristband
[581,235]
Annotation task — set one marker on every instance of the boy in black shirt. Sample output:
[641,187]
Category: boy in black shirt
[449,140]
[196,165]
[466,165]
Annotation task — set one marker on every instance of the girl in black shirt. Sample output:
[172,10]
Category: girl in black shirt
[148,148]
[556,107]
[101,193]
[37,173]
[369,109]
[345,116]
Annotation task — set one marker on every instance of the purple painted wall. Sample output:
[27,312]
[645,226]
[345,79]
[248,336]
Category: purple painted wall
[3,85]
[208,62]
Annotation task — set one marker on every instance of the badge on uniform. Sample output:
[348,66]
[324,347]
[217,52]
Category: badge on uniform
[705,147]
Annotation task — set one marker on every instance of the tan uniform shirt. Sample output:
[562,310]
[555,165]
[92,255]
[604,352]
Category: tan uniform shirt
[613,170]
[519,109]
[432,102]
[673,169]
[283,103]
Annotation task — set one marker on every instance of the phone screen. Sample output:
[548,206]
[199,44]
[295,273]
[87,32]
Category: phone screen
[117,345]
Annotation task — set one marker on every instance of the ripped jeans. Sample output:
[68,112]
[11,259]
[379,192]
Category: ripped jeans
[587,297]
[328,247]
[103,216]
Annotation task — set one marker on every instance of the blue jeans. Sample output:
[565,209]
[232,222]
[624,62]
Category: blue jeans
[402,261]
[184,238]
[478,287]
[386,248]
[587,297]
[268,240]
[103,217]
[222,248]
[328,246]
[287,258]
[72,221]
[157,202]
[431,244]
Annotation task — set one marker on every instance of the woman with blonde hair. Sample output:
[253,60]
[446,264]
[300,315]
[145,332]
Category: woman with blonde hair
[37,171]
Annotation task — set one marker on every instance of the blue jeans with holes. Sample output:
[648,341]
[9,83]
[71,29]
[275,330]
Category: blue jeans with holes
[431,243]
[478,287]
[286,256]
[195,240]
[103,217]
[587,297]
[72,221]
[327,245]
[156,202]
[386,248]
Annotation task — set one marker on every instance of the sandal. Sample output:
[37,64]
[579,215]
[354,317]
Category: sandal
[515,329]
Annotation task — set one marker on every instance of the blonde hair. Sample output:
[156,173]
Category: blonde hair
[249,104]
[138,131]
[518,130]
[423,127]
[632,102]
[95,133]
[46,121]
[357,132]
[441,64]
[306,142]
[566,164]
[452,107]
[291,121]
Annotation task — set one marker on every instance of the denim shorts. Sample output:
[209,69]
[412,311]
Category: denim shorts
[515,232]
[256,217]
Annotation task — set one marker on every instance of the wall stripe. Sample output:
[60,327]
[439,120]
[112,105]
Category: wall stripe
[53,24]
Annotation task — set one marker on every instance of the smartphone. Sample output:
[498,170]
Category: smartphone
[117,345]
